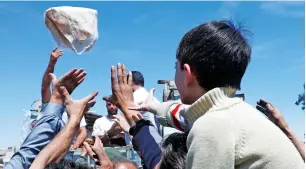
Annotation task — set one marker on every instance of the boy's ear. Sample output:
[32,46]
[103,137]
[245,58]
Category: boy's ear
[189,75]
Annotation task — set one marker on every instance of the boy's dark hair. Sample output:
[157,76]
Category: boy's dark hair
[116,161]
[175,150]
[137,78]
[217,53]
[67,164]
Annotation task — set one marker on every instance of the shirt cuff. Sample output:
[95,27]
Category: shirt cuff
[53,109]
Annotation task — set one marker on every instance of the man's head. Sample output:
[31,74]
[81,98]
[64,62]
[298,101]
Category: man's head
[214,54]
[174,151]
[122,163]
[138,80]
[111,109]
[67,164]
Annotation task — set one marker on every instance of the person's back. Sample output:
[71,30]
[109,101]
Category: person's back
[140,95]
[260,136]
[253,140]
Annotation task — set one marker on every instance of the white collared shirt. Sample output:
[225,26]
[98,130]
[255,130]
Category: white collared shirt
[140,96]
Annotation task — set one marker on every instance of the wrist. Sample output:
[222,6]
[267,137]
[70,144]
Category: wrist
[75,120]
[106,163]
[73,124]
[53,60]
[126,106]
[57,98]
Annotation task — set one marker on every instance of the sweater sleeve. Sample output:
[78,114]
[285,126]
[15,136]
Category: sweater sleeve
[171,114]
[211,144]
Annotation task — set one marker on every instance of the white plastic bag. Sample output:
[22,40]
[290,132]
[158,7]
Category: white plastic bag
[73,27]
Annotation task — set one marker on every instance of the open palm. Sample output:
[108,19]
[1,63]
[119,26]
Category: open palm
[70,81]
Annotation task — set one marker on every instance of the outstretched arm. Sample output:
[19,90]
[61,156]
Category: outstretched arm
[49,124]
[43,132]
[168,113]
[276,117]
[62,141]
[122,97]
[82,135]
[97,153]
[46,81]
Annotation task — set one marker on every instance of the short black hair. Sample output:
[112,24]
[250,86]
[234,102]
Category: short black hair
[217,53]
[138,78]
[175,151]
[116,161]
[67,164]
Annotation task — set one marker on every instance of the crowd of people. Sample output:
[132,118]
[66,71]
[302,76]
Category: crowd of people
[217,129]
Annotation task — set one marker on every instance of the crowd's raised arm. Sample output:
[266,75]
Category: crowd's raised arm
[217,129]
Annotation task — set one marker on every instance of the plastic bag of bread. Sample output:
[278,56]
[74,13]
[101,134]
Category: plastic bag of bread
[73,27]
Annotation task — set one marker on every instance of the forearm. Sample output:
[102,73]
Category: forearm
[82,135]
[57,146]
[44,131]
[105,162]
[299,145]
[46,81]
[170,114]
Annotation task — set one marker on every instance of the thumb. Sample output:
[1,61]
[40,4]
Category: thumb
[97,139]
[270,107]
[117,121]
[53,77]
[152,92]
[90,97]
[54,49]
[65,93]
[142,107]
[116,117]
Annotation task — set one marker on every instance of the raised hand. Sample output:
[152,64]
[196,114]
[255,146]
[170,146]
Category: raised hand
[75,108]
[122,93]
[121,121]
[98,147]
[90,105]
[277,118]
[97,153]
[114,130]
[272,113]
[56,54]
[70,81]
